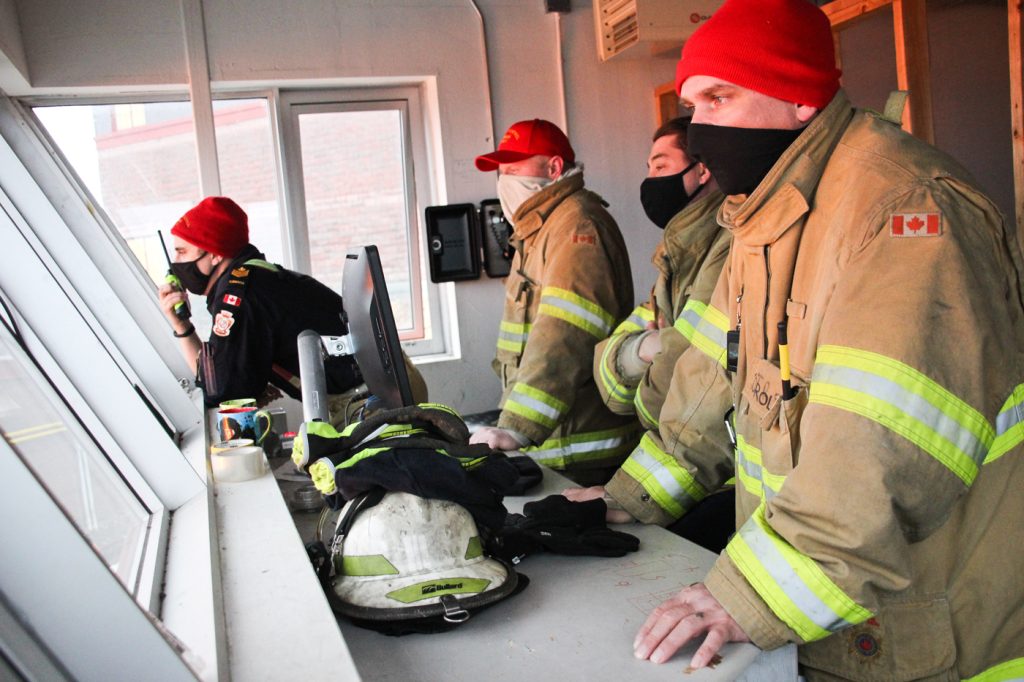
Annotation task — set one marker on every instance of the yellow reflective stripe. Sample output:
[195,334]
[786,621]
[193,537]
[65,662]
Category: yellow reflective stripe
[616,390]
[440,406]
[704,327]
[641,409]
[396,431]
[750,467]
[1009,426]
[792,584]
[586,446]
[671,486]
[906,402]
[260,263]
[576,310]
[1008,670]
[535,405]
[367,564]
[365,453]
[637,320]
[512,335]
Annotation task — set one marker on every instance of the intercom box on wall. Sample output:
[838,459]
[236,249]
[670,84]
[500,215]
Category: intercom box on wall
[455,234]
[496,232]
[452,237]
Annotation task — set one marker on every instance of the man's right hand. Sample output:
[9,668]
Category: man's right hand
[593,493]
[497,439]
[170,296]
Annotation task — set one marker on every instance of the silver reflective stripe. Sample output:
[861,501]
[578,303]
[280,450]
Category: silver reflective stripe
[578,311]
[664,478]
[519,338]
[788,581]
[1008,419]
[755,471]
[636,320]
[578,448]
[534,404]
[912,404]
[703,326]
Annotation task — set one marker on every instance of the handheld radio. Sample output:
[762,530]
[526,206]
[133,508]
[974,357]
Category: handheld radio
[180,309]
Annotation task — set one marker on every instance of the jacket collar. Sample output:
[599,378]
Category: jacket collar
[535,210]
[786,193]
[691,229]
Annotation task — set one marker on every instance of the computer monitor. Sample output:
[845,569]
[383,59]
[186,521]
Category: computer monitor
[372,328]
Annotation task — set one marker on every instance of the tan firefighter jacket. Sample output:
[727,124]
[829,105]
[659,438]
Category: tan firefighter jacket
[570,285]
[689,258]
[881,506]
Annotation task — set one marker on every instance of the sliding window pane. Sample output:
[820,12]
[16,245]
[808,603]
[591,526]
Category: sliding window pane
[354,176]
[48,437]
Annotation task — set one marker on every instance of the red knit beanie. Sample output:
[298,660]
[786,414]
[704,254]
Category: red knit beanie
[215,224]
[780,48]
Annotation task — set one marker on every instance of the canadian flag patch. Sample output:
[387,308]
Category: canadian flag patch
[584,239]
[223,322]
[231,299]
[915,224]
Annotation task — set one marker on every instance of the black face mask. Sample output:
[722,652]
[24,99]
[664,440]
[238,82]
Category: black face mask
[192,278]
[666,196]
[738,158]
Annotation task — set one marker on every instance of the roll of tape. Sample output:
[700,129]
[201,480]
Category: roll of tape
[238,464]
[223,445]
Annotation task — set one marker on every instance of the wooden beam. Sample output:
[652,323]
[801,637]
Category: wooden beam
[845,12]
[910,28]
[1017,112]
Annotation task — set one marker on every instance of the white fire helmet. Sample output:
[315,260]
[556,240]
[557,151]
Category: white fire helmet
[409,557]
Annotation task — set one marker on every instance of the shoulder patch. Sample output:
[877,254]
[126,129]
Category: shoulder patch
[223,322]
[235,281]
[231,299]
[915,224]
[240,272]
[584,239]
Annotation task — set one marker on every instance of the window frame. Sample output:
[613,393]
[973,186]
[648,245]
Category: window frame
[429,302]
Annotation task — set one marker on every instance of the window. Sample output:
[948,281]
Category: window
[49,439]
[355,168]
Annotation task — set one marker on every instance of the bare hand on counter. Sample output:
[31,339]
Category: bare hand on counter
[615,514]
[498,439]
[692,612]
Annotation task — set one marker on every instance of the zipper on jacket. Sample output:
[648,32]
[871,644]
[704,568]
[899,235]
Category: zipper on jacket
[767,296]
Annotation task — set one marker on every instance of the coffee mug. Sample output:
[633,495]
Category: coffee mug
[238,402]
[243,422]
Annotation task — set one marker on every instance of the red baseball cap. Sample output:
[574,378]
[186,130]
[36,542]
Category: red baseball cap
[525,139]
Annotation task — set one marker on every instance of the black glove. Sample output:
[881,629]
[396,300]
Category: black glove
[588,542]
[559,511]
[556,524]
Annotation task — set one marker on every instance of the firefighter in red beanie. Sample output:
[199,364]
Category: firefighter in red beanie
[258,310]
[865,344]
